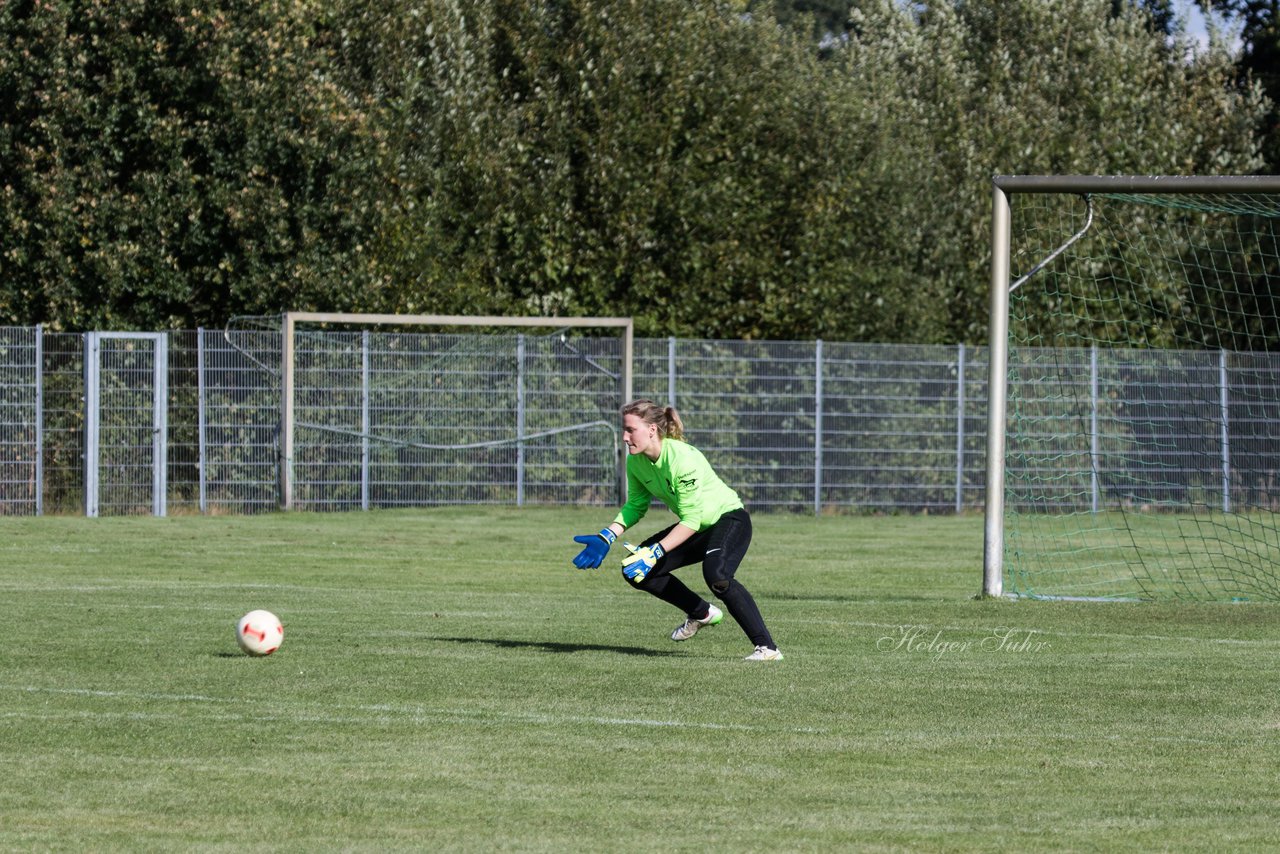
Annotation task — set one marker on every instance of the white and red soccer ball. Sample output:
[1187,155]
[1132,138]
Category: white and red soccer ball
[259,632]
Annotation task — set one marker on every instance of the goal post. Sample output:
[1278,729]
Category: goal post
[291,321]
[1134,376]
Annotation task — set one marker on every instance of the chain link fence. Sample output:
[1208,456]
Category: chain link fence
[21,472]
[391,419]
[830,427]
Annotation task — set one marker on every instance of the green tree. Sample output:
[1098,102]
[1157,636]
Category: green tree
[706,172]
[824,19]
[692,163]
[167,164]
[1259,22]
[699,169]
[1024,87]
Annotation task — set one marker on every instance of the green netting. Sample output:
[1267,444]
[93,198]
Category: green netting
[1143,452]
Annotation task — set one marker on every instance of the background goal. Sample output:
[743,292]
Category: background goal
[384,410]
[1134,417]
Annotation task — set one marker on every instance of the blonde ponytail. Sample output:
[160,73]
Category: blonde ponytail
[666,419]
[674,427]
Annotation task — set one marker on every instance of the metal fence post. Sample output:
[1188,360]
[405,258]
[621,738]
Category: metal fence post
[39,359]
[1095,487]
[671,372]
[520,416]
[91,358]
[287,391]
[364,420]
[817,428]
[959,428]
[1226,431]
[201,423]
[160,430]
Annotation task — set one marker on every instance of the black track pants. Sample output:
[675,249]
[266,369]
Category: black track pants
[720,549]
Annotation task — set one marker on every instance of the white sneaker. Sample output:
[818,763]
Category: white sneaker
[764,653]
[690,627]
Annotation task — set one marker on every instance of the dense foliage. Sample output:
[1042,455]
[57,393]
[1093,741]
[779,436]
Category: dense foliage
[701,165]
[171,163]
[1259,24]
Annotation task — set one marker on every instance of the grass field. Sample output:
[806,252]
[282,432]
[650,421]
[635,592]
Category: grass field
[449,682]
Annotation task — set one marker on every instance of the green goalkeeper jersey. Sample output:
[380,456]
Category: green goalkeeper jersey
[683,480]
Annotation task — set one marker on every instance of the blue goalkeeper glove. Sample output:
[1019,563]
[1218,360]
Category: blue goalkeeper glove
[596,546]
[641,562]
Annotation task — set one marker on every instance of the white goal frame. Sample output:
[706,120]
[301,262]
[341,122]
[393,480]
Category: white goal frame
[292,318]
[998,329]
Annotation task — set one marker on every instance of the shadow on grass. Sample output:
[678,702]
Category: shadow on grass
[551,646]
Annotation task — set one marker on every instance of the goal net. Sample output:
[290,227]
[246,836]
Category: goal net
[1135,333]
[416,410]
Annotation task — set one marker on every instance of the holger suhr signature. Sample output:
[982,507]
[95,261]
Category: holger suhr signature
[924,640]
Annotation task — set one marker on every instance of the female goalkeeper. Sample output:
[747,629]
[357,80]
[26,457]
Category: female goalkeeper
[714,528]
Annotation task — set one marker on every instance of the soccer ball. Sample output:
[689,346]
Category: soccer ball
[259,633]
